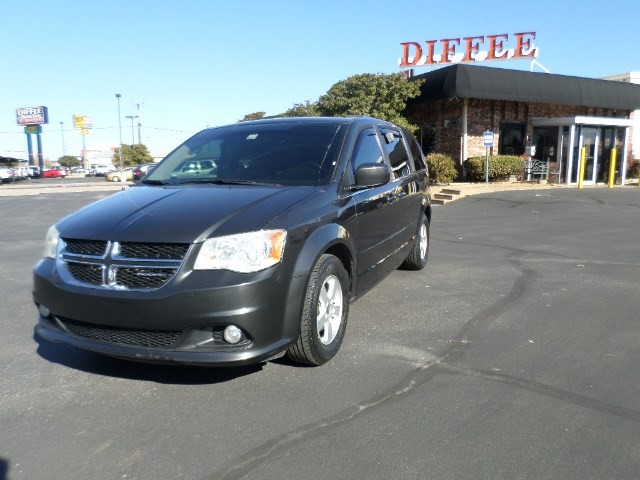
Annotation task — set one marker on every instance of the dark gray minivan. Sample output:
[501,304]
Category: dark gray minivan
[246,242]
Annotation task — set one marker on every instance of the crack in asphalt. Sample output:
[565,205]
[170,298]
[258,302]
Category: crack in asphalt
[545,390]
[442,365]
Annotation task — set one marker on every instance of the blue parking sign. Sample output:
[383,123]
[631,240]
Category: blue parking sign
[487,139]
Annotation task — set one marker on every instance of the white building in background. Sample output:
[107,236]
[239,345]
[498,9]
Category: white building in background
[99,157]
[631,77]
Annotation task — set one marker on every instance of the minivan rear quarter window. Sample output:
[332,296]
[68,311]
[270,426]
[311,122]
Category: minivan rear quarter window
[396,151]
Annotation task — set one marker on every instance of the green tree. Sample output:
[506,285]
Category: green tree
[252,116]
[377,95]
[69,161]
[306,109]
[132,155]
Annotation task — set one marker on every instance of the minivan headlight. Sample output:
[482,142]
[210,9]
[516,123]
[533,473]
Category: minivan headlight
[51,242]
[244,253]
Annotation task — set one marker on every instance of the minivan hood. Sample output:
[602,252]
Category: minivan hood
[184,214]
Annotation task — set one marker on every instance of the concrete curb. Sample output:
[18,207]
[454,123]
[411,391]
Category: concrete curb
[25,188]
[443,194]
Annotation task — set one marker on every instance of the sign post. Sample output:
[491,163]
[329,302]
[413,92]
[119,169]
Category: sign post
[487,140]
[83,124]
[32,118]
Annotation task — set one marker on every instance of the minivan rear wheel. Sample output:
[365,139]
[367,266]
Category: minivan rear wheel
[324,313]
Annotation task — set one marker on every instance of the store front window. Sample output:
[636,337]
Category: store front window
[545,139]
[598,144]
[511,138]
[560,141]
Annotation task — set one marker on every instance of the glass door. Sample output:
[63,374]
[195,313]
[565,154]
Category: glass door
[607,144]
[589,140]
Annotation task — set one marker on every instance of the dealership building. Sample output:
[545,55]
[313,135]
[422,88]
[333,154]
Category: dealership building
[558,115]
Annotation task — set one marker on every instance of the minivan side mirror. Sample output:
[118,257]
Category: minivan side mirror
[372,175]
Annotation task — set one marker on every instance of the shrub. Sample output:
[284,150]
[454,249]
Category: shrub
[500,167]
[442,168]
[633,168]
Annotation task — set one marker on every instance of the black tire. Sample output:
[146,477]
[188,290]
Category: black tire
[314,347]
[417,259]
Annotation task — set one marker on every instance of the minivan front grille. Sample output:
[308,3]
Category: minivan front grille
[123,336]
[143,277]
[153,250]
[86,272]
[86,247]
[122,266]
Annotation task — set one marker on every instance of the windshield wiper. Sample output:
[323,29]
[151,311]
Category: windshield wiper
[157,182]
[226,181]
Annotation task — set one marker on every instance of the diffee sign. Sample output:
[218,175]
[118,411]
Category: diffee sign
[32,116]
[467,49]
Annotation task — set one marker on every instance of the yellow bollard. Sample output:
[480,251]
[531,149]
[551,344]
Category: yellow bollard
[583,156]
[612,167]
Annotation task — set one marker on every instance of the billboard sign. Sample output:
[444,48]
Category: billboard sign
[32,115]
[82,121]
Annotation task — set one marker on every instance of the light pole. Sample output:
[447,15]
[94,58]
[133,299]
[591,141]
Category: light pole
[120,131]
[133,138]
[139,124]
[64,150]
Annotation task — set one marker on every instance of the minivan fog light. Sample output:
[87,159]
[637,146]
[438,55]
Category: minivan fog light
[232,334]
[44,311]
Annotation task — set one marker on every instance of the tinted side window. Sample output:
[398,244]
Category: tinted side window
[398,157]
[416,153]
[367,149]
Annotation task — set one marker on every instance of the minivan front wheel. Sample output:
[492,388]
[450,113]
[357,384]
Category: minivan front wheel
[324,313]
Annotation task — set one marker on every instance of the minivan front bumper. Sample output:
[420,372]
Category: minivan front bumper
[182,322]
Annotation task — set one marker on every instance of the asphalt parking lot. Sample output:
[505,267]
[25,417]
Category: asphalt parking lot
[514,354]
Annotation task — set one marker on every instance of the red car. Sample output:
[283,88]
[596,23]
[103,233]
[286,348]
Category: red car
[53,173]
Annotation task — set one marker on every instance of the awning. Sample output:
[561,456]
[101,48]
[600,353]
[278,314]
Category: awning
[582,120]
[10,161]
[472,81]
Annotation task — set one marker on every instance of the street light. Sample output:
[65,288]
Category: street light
[138,105]
[120,130]
[64,150]
[133,138]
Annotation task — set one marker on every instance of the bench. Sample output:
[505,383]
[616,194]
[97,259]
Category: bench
[537,167]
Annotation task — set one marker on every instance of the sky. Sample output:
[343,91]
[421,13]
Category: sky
[183,66]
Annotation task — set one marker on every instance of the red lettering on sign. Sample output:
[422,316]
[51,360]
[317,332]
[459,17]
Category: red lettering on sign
[496,48]
[430,49]
[522,44]
[471,49]
[405,54]
[448,50]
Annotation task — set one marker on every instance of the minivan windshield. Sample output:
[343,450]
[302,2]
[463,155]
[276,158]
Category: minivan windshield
[279,153]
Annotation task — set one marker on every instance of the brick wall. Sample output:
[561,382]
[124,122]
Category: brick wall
[446,117]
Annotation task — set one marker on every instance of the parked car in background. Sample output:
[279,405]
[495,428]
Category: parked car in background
[34,172]
[54,173]
[102,170]
[21,173]
[80,171]
[257,252]
[117,176]
[141,170]
[6,175]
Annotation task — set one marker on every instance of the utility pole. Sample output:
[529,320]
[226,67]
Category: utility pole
[120,131]
[133,139]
